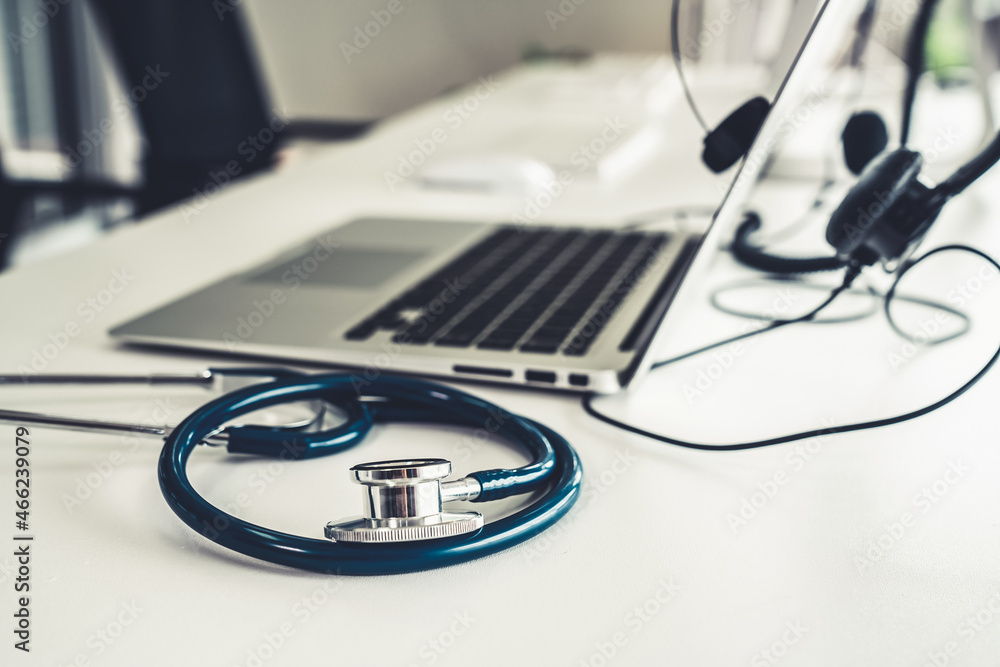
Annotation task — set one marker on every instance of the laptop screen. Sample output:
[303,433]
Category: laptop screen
[832,32]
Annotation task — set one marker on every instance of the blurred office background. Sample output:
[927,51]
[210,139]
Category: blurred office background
[83,149]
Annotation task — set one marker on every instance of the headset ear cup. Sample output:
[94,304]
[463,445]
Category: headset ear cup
[886,210]
[865,136]
[731,140]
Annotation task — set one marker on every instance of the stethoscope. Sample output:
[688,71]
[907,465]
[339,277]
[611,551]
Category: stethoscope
[404,527]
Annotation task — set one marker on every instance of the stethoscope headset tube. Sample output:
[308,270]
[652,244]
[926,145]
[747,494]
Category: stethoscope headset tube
[555,467]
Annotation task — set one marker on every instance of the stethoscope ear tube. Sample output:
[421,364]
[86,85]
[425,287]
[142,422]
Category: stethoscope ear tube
[279,442]
[555,467]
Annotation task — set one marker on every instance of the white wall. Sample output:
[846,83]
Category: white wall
[428,47]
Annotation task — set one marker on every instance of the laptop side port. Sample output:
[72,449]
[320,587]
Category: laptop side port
[578,379]
[547,377]
[480,370]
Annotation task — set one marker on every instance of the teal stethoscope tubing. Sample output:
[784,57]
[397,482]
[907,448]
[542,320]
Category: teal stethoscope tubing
[555,465]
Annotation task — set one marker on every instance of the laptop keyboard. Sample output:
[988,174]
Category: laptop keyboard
[544,291]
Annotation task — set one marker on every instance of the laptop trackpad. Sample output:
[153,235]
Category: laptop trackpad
[350,267]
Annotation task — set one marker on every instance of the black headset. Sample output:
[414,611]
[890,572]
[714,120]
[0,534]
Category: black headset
[888,210]
[865,134]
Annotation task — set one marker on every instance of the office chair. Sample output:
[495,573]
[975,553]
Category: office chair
[15,192]
[192,82]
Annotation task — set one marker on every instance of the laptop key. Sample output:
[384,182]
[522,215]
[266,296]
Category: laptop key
[458,337]
[547,339]
[487,307]
[550,336]
[542,345]
[362,331]
[581,343]
[439,313]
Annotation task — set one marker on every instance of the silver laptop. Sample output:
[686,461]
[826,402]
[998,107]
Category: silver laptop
[556,308]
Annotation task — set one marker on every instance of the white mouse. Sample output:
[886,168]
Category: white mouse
[490,173]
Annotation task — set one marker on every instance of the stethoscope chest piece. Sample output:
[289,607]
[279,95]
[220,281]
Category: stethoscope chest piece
[403,502]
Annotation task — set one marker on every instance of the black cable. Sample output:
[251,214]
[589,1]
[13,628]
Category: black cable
[675,50]
[864,33]
[971,170]
[588,399]
[735,339]
[915,65]
[818,202]
[756,258]
[887,299]
[891,295]
[849,277]
[715,299]
[914,61]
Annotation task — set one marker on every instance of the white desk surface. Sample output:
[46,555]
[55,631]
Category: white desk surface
[647,570]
